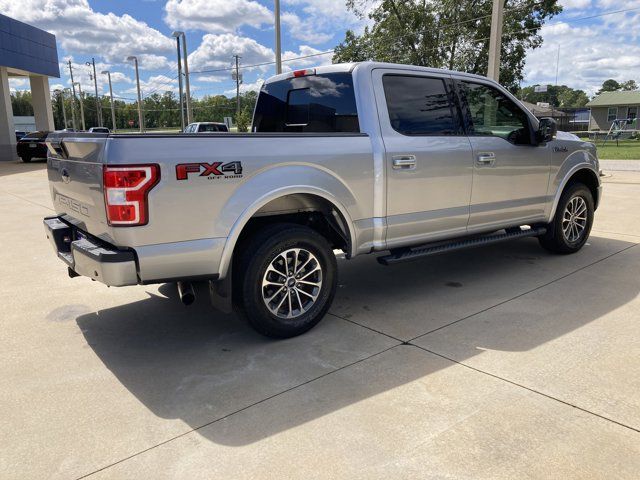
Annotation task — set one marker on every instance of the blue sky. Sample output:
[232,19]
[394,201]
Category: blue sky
[110,30]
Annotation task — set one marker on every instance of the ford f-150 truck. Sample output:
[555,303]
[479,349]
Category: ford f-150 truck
[367,157]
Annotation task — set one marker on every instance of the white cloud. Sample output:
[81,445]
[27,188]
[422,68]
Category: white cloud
[154,84]
[321,21]
[575,4]
[81,30]
[83,73]
[589,54]
[304,30]
[215,53]
[246,87]
[216,15]
[291,60]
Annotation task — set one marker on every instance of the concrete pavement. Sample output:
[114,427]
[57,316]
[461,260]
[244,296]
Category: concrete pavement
[501,362]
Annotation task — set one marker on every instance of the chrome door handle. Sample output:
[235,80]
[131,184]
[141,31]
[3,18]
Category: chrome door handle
[486,159]
[404,162]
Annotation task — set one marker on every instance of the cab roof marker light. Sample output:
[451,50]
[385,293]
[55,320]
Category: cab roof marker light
[304,73]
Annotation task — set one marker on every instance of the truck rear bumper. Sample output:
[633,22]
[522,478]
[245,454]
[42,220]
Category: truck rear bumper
[86,257]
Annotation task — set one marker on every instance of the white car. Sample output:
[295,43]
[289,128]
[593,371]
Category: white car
[205,127]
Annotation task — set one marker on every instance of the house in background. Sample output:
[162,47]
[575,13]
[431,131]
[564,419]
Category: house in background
[610,106]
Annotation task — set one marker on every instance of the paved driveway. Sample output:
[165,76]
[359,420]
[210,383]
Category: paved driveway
[500,362]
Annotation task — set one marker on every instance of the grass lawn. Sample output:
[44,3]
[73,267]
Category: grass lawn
[626,150]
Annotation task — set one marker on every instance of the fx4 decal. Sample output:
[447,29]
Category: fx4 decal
[210,170]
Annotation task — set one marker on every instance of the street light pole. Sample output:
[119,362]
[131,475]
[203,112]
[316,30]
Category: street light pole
[176,35]
[140,117]
[495,40]
[113,109]
[278,45]
[95,84]
[81,106]
[187,99]
[237,57]
[73,98]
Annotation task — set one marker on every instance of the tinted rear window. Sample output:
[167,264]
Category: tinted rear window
[419,105]
[211,128]
[316,103]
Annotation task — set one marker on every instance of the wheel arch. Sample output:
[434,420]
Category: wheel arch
[583,173]
[283,204]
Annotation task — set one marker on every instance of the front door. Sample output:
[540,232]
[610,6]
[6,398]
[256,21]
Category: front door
[428,158]
[510,172]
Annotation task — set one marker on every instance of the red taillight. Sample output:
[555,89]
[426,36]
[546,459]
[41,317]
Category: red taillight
[125,193]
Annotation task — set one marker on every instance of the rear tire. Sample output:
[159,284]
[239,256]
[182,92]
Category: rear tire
[285,278]
[571,225]
[26,159]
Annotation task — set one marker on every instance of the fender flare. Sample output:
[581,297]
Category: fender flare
[247,214]
[565,180]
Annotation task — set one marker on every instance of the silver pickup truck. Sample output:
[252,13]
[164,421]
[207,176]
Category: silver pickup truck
[362,158]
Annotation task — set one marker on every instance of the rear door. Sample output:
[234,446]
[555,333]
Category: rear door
[428,158]
[510,172]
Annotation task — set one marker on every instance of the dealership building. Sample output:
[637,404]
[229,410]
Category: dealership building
[25,51]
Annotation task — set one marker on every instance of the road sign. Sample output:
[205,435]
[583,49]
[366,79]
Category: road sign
[540,88]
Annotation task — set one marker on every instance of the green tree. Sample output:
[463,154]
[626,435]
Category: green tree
[559,96]
[21,103]
[609,85]
[629,85]
[450,34]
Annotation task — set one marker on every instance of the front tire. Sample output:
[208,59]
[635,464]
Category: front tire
[285,279]
[572,222]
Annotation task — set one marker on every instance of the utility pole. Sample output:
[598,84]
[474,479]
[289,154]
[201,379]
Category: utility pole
[278,45]
[140,117]
[237,75]
[81,106]
[177,37]
[495,41]
[113,109]
[73,98]
[186,79]
[95,84]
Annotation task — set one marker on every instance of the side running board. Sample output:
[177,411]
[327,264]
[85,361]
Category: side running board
[408,254]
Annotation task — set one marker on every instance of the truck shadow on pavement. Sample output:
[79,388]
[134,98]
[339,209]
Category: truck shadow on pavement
[200,366]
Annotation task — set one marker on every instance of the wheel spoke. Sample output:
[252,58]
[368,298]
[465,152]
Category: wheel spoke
[302,267]
[313,297]
[302,309]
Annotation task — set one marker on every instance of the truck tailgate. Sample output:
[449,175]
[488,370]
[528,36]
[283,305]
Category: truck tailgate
[74,167]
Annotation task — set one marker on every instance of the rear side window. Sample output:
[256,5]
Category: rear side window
[208,128]
[315,103]
[420,105]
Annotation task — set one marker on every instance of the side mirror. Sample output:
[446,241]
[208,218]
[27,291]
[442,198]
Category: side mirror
[547,130]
